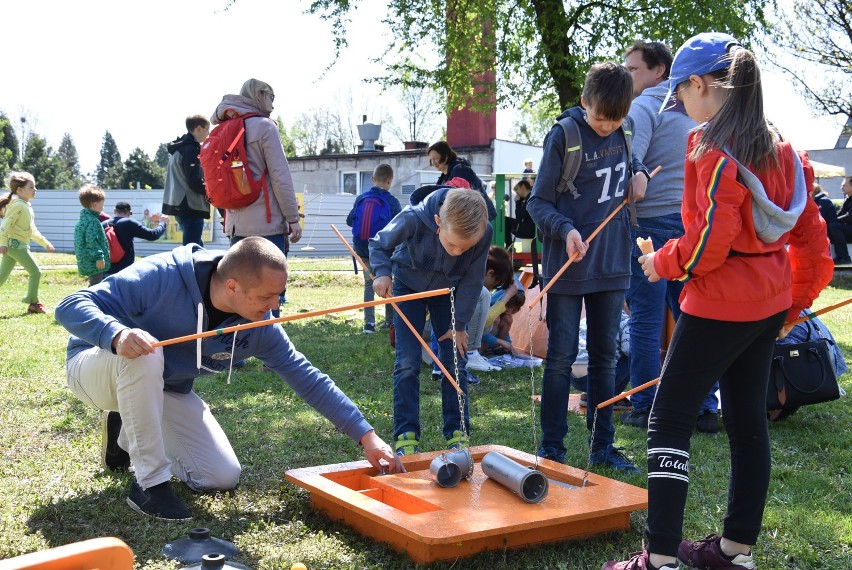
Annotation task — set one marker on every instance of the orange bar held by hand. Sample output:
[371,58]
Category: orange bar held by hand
[402,316]
[309,314]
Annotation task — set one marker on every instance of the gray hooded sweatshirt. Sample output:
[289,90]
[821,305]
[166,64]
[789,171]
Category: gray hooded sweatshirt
[660,139]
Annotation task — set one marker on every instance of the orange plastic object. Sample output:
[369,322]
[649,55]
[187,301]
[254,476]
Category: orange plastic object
[574,404]
[98,553]
[414,515]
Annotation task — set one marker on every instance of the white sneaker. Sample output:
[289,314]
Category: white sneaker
[476,361]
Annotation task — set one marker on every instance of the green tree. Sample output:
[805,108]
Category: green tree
[287,140]
[162,156]
[110,157]
[140,169]
[541,46]
[40,160]
[70,175]
[534,121]
[8,145]
[818,33]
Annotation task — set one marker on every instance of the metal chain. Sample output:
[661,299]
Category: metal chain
[459,393]
[591,439]
[532,387]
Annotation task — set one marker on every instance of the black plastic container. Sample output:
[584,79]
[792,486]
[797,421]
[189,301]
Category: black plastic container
[191,550]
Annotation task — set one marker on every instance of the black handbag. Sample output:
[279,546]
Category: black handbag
[802,373]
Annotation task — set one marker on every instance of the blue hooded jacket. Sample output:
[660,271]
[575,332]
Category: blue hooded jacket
[409,249]
[161,295]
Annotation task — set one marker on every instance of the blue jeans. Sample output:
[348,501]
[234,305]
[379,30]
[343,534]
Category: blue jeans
[192,229]
[284,245]
[603,316]
[647,302]
[369,295]
[406,369]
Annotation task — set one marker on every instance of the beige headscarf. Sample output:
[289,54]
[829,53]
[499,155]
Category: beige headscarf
[257,91]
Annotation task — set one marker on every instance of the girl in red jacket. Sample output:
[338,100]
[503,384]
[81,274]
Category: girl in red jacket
[745,199]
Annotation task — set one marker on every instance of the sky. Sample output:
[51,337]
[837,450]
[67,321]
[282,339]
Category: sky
[138,69]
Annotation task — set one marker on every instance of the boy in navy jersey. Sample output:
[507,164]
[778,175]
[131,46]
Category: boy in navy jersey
[600,275]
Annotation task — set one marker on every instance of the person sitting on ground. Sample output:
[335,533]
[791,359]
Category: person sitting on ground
[126,228]
[498,273]
[496,339]
[163,428]
[90,241]
[840,230]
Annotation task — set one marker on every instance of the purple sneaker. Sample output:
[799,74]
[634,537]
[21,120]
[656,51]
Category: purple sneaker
[707,553]
[637,561]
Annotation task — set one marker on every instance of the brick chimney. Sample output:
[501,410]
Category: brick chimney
[466,127]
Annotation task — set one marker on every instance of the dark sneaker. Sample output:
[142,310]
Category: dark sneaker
[841,260]
[112,456]
[552,453]
[159,502]
[637,561]
[707,553]
[611,456]
[407,443]
[707,423]
[584,399]
[636,419]
[437,376]
[471,379]
[369,328]
[621,405]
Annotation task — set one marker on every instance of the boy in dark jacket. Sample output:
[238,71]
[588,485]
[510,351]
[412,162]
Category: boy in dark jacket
[600,275]
[126,228]
[185,195]
[440,242]
[361,215]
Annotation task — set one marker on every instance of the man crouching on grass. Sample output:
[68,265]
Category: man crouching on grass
[152,417]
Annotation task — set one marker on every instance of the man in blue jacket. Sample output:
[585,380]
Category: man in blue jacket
[166,428]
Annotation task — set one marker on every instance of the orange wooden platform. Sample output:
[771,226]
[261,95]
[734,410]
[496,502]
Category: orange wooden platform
[416,516]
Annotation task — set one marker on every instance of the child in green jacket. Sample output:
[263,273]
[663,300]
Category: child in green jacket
[90,241]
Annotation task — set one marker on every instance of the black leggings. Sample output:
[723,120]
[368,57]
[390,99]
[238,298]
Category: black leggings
[738,355]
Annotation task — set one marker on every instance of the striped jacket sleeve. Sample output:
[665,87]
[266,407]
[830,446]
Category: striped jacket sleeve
[712,221]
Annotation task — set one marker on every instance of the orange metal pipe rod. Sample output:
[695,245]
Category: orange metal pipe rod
[656,381]
[226,330]
[393,304]
[817,313]
[590,238]
[571,259]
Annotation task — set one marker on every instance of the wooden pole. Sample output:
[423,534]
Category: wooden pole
[415,332]
[298,316]
[590,238]
[656,381]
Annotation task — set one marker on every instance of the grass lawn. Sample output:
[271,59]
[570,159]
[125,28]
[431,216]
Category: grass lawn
[53,490]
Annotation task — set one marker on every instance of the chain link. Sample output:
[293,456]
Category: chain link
[532,386]
[459,393]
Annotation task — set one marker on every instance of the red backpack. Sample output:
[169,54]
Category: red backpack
[223,157]
[116,251]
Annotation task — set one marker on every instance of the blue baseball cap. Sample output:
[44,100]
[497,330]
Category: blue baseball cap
[700,55]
